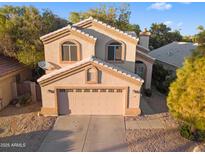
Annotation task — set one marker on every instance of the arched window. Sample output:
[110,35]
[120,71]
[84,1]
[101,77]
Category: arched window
[114,52]
[140,69]
[91,75]
[69,51]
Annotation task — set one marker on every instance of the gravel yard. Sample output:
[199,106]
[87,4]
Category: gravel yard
[165,139]
[21,129]
[160,140]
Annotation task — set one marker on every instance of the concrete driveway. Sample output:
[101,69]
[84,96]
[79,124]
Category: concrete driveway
[86,133]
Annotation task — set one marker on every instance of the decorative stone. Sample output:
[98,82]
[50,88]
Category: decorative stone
[199,148]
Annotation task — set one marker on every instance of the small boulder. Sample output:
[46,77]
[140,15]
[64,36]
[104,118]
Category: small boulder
[199,148]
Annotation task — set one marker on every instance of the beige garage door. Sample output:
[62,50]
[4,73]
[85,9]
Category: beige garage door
[92,101]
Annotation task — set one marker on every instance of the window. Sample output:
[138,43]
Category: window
[114,52]
[91,75]
[69,51]
[140,68]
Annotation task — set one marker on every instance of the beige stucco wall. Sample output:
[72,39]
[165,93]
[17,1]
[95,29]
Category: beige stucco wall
[98,49]
[144,41]
[78,79]
[148,72]
[104,36]
[7,91]
[52,50]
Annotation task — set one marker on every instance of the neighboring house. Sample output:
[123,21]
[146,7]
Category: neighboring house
[172,55]
[11,73]
[94,69]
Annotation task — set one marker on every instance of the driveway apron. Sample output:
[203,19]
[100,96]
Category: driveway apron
[86,133]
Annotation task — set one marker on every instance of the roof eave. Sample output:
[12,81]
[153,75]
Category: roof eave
[51,76]
[53,34]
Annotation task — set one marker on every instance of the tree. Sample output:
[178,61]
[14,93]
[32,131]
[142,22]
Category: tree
[104,14]
[188,38]
[20,31]
[162,35]
[117,17]
[162,78]
[186,99]
[51,22]
[200,37]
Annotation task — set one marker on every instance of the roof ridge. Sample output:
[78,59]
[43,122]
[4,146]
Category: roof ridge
[169,44]
[108,26]
[68,27]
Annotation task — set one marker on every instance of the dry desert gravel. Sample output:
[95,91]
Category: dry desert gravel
[165,139]
[21,129]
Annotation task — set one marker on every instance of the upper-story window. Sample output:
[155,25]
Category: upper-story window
[114,52]
[69,51]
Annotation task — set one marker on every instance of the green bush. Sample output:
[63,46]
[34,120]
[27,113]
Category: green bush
[22,100]
[186,132]
[162,78]
[186,99]
[159,73]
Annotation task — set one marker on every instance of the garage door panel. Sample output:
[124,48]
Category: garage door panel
[96,101]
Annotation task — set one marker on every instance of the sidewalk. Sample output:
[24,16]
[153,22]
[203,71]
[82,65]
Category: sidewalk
[149,120]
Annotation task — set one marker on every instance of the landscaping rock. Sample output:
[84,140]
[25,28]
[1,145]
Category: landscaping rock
[23,127]
[199,148]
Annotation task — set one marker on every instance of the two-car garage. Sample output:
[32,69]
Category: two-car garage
[92,100]
[90,87]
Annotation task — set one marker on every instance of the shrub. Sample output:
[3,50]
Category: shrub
[186,99]
[162,78]
[186,132]
[159,73]
[22,100]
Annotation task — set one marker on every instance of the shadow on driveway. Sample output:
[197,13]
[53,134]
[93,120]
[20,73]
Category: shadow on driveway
[30,142]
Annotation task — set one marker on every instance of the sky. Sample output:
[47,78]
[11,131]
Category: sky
[183,16]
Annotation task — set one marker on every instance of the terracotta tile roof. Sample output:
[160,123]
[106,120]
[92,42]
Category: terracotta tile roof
[69,27]
[108,26]
[89,34]
[8,65]
[97,61]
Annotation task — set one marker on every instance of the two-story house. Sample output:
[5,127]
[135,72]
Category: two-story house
[94,69]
